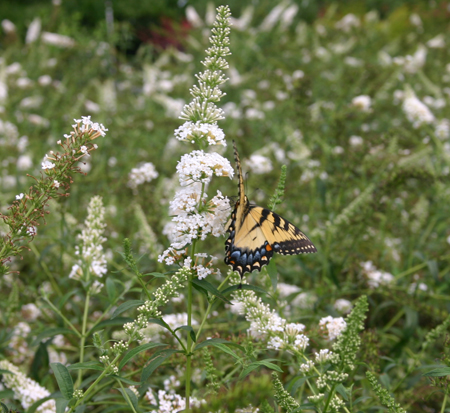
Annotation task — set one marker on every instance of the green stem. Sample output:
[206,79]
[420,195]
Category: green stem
[444,403]
[92,386]
[125,395]
[83,337]
[394,320]
[46,270]
[56,310]
[330,396]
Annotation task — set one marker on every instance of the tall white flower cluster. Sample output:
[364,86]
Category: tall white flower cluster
[92,259]
[195,215]
[375,277]
[26,390]
[416,111]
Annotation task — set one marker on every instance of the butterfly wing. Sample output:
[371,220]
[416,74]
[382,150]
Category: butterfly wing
[256,233]
[284,237]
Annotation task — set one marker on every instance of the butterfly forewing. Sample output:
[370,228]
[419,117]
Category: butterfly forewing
[284,237]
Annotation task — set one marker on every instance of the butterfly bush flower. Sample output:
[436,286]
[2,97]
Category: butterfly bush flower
[54,181]
[26,390]
[375,277]
[144,172]
[416,111]
[92,259]
[362,103]
[343,306]
[259,164]
[334,326]
[195,216]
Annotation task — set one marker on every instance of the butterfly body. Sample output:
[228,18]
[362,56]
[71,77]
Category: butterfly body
[255,233]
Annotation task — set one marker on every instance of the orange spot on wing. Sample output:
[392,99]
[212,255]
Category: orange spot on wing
[233,262]
[268,247]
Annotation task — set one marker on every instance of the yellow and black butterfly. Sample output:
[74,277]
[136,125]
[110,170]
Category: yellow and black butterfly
[256,233]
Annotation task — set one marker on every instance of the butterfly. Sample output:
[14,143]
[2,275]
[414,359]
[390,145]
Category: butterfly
[256,233]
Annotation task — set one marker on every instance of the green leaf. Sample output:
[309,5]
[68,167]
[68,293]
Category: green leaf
[214,341]
[88,365]
[127,381]
[156,360]
[190,330]
[256,364]
[6,394]
[61,405]
[439,372]
[210,288]
[254,288]
[2,371]
[119,321]
[160,322]
[157,275]
[131,396]
[273,274]
[37,404]
[126,306]
[361,399]
[4,407]
[342,391]
[135,351]
[63,379]
[111,289]
[225,349]
[51,332]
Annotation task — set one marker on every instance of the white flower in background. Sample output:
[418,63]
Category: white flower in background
[193,17]
[243,22]
[343,306]
[24,162]
[334,326]
[26,390]
[348,22]
[91,107]
[442,129]
[30,312]
[34,29]
[8,26]
[286,290]
[415,20]
[91,254]
[259,164]
[362,102]
[375,277]
[144,172]
[177,320]
[417,287]
[170,402]
[44,80]
[19,197]
[288,16]
[56,39]
[24,82]
[355,140]
[415,110]
[195,132]
[199,166]
[273,17]
[31,102]
[304,301]
[437,42]
[413,63]
[353,62]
